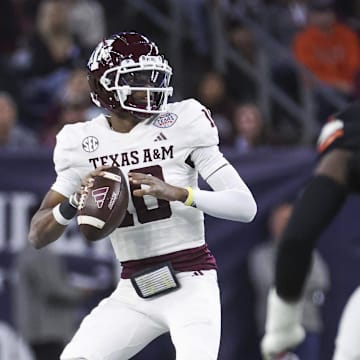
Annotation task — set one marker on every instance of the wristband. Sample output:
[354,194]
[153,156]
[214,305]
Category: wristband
[190,199]
[67,210]
[59,218]
[64,212]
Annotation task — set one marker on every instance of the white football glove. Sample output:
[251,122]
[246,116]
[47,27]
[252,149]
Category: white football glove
[283,330]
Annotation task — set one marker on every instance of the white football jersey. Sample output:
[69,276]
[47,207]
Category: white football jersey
[161,147]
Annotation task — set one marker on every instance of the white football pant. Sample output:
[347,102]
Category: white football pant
[347,345]
[123,324]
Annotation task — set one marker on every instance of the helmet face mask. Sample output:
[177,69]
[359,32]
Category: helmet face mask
[126,73]
[150,77]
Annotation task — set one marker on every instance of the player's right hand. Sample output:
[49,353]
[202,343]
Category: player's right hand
[152,185]
[88,180]
[283,329]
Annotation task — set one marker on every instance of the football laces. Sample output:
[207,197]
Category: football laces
[83,197]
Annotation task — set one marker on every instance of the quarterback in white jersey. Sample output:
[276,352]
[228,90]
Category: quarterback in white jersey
[174,147]
[168,280]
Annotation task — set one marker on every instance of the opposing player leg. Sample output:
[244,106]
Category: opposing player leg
[347,340]
[316,207]
[116,329]
[195,318]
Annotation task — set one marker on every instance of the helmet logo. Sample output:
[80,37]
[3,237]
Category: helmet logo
[90,144]
[101,53]
[165,120]
[124,40]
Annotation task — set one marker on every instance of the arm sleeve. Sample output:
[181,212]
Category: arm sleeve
[231,198]
[314,210]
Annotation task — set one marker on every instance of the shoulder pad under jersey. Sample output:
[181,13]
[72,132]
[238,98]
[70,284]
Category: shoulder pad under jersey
[67,144]
[194,123]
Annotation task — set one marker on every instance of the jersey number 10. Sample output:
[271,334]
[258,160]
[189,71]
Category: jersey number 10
[145,215]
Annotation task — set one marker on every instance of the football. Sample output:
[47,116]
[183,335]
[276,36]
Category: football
[104,207]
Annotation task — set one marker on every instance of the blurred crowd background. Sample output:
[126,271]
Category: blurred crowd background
[270,71]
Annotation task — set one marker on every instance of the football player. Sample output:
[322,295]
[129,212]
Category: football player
[169,280]
[336,175]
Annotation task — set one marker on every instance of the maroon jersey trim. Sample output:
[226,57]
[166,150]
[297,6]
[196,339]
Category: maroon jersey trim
[195,259]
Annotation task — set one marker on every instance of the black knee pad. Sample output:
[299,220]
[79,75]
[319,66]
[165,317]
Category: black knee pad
[314,210]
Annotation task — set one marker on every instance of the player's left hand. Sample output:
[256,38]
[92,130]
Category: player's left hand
[151,185]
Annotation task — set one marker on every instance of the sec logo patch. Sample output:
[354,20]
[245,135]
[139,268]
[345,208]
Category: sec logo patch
[165,120]
[90,144]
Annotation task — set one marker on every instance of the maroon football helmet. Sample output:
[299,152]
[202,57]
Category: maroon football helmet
[127,73]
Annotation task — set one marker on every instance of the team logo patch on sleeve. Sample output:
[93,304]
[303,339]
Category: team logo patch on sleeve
[90,143]
[165,120]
